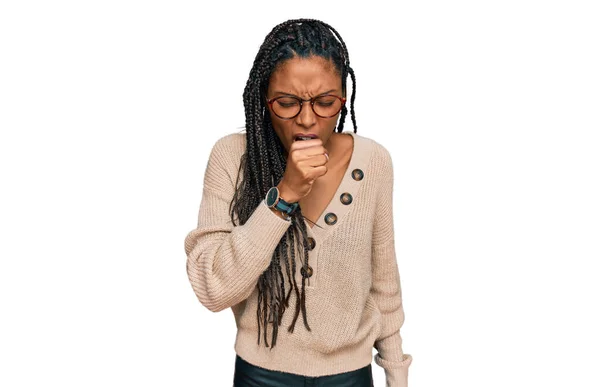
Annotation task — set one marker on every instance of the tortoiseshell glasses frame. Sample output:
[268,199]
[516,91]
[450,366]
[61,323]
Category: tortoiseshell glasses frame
[301,102]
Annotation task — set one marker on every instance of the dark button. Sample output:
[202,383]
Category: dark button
[330,218]
[357,174]
[311,243]
[346,198]
[306,273]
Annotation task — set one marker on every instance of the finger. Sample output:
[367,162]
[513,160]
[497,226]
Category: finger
[309,153]
[317,172]
[306,144]
[316,161]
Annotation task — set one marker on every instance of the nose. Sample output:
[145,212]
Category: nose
[307,116]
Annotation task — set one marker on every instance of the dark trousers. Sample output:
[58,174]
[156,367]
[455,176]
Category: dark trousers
[249,375]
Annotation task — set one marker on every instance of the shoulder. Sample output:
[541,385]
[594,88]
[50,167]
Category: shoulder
[382,169]
[227,151]
[225,158]
[229,146]
[382,152]
[381,158]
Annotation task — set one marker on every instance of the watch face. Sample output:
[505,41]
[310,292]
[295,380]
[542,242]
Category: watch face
[272,196]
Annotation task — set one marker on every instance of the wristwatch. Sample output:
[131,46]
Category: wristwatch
[273,200]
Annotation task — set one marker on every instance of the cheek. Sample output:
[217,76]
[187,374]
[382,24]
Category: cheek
[331,123]
[278,124]
[281,127]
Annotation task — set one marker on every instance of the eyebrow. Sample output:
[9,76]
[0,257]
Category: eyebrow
[283,93]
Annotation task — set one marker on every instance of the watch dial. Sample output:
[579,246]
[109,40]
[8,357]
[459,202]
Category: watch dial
[272,196]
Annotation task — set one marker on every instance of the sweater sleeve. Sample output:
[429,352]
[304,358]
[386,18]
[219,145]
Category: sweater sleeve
[386,289]
[225,261]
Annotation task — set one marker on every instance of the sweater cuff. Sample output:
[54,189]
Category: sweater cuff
[393,360]
[387,364]
[396,372]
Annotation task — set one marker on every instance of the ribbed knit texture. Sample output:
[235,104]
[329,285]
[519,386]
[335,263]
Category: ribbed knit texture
[354,300]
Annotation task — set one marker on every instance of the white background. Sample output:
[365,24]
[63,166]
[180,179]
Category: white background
[108,111]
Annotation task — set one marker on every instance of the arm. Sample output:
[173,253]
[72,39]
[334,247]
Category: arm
[386,289]
[224,262]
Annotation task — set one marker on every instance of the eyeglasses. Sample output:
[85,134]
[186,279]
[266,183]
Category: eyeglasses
[288,107]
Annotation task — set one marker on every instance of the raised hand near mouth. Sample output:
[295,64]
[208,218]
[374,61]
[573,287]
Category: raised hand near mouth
[307,161]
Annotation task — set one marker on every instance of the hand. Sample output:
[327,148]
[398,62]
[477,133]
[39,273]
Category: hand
[307,161]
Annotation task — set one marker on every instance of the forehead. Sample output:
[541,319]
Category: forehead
[305,76]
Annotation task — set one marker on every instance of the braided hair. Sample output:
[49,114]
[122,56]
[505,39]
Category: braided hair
[263,163]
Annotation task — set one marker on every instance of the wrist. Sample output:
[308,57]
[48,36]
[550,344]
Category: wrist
[286,194]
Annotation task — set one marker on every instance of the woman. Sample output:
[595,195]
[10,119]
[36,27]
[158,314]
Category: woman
[297,214]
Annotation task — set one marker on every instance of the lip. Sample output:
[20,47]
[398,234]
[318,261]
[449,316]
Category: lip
[311,135]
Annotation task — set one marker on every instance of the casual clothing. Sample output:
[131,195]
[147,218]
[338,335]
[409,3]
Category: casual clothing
[354,298]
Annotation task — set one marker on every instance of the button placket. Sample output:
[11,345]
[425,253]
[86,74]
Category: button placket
[309,271]
[342,202]
[347,192]
[331,218]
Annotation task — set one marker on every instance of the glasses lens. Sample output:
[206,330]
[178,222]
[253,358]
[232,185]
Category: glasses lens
[327,106]
[286,107]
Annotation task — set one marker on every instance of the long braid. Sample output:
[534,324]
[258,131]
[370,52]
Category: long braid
[353,96]
[264,162]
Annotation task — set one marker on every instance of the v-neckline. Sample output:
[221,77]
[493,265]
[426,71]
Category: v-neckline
[345,176]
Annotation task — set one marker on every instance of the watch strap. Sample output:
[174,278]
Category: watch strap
[287,208]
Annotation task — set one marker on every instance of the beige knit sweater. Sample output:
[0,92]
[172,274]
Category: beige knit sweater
[354,300]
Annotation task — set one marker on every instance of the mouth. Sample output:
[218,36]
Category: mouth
[304,137]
